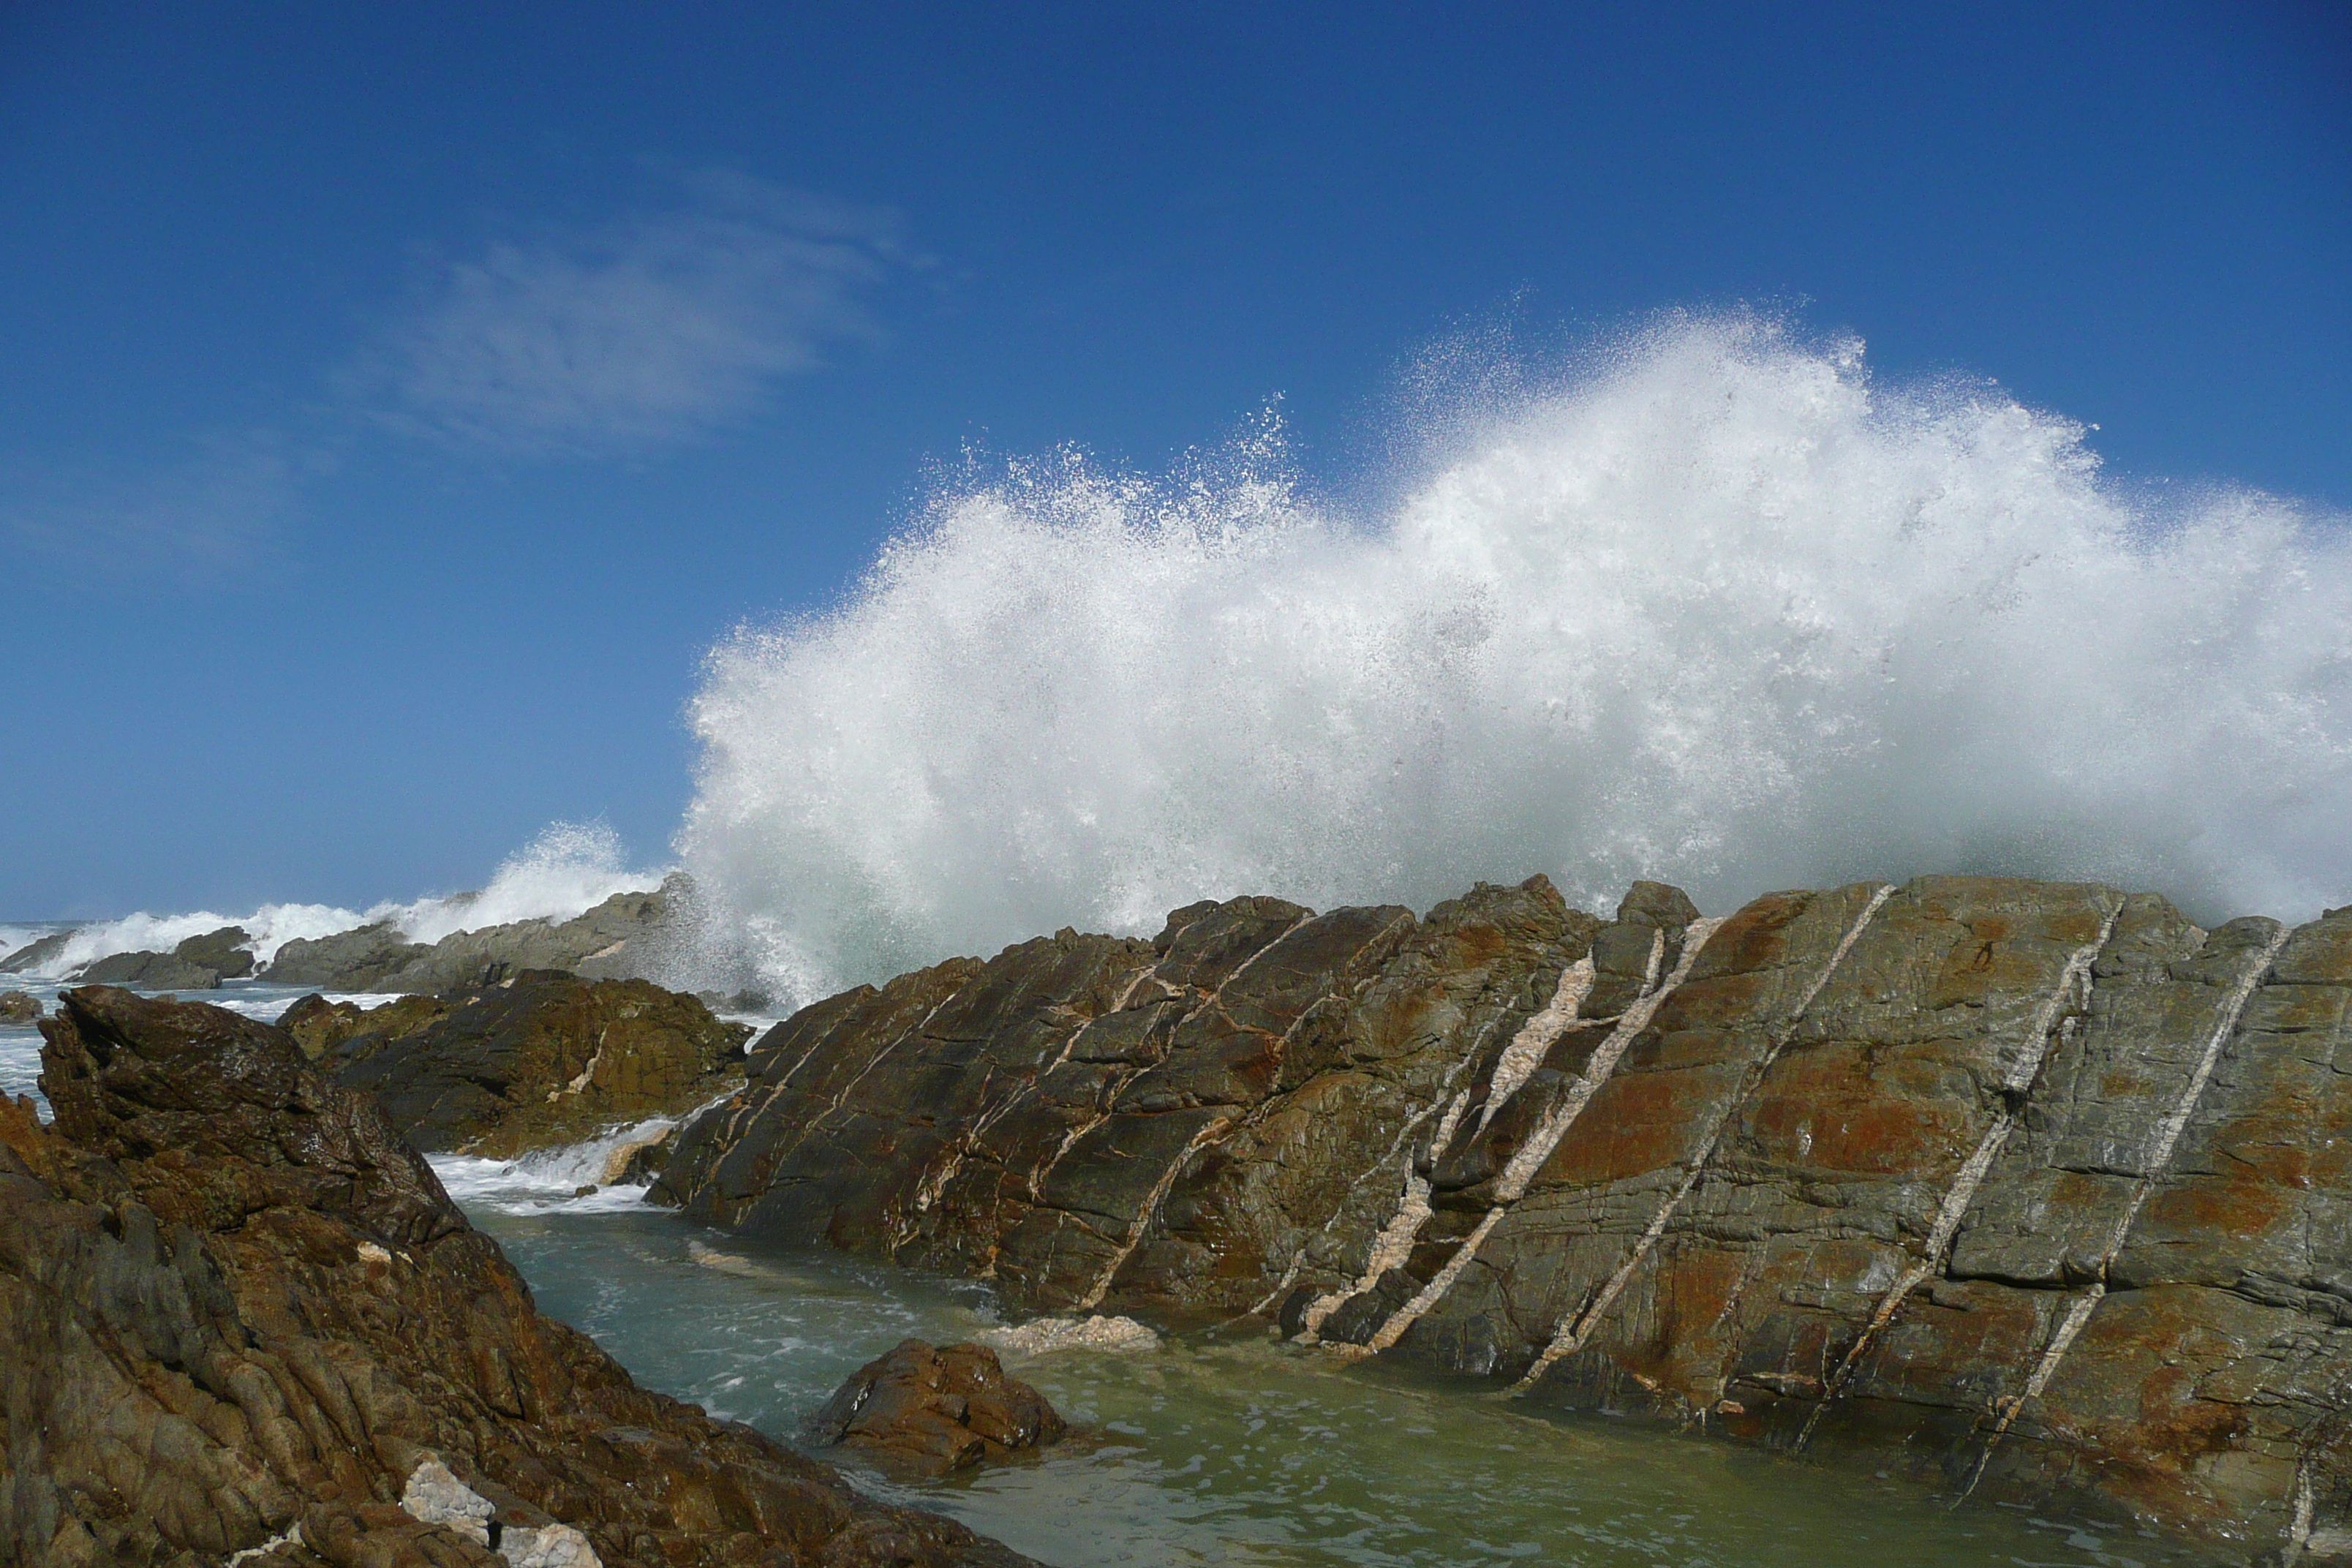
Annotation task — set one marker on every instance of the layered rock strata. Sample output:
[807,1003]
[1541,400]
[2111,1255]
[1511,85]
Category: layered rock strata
[540,1059]
[2036,1188]
[241,1322]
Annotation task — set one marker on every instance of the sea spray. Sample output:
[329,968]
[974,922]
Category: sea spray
[569,867]
[1725,611]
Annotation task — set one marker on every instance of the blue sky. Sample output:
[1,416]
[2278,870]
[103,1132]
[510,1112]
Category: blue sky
[400,400]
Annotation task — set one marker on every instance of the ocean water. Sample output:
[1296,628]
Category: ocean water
[1231,1448]
[1713,604]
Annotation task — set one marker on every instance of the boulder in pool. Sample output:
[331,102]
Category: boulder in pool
[932,1409]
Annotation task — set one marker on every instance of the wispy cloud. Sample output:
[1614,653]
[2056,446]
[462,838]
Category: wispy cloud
[215,513]
[659,329]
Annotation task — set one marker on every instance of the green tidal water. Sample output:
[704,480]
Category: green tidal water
[1232,1447]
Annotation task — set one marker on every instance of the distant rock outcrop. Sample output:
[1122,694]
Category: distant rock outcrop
[240,1322]
[536,1060]
[617,939]
[929,1411]
[34,953]
[2035,1189]
[199,963]
[19,1009]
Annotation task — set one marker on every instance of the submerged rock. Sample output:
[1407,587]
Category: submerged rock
[541,1060]
[934,1410]
[2035,1189]
[240,1321]
[1044,1336]
[18,1009]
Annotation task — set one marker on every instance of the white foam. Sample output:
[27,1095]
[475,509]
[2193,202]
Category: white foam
[1045,1336]
[571,868]
[568,868]
[1725,612]
[548,1178]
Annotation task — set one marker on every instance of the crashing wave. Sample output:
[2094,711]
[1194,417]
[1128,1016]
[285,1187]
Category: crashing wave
[1723,611]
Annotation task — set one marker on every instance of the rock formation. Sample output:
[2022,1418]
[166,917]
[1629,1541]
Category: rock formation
[19,1009]
[616,939]
[34,953]
[2036,1189]
[199,963]
[241,1322]
[929,1411]
[538,1059]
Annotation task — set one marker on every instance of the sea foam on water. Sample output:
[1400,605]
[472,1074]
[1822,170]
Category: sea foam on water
[1725,612]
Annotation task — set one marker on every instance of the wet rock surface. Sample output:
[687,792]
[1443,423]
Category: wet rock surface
[620,938]
[19,1008]
[240,1321]
[540,1059]
[927,1411]
[36,952]
[2035,1189]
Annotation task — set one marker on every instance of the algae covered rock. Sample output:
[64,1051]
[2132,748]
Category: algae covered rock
[320,1026]
[543,1058]
[240,1321]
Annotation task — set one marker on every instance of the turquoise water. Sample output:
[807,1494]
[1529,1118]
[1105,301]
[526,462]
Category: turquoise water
[1230,1448]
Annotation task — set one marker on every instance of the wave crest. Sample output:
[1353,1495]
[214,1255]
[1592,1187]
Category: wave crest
[1725,612]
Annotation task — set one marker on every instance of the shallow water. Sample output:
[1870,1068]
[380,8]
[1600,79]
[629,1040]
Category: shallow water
[1225,1449]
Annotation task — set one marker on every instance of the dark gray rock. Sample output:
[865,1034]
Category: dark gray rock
[227,951]
[347,961]
[149,972]
[34,953]
[623,938]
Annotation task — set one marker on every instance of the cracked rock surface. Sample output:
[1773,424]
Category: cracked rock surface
[2036,1190]
[241,1321]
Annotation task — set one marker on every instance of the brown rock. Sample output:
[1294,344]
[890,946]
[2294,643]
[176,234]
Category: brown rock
[236,1310]
[321,1027]
[2034,1189]
[542,1059]
[934,1410]
[19,1009]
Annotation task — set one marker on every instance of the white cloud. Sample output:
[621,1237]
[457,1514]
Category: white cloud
[657,330]
[215,513]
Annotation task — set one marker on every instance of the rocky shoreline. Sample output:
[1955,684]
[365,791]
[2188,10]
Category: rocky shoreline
[623,938]
[2036,1191]
[244,1323]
